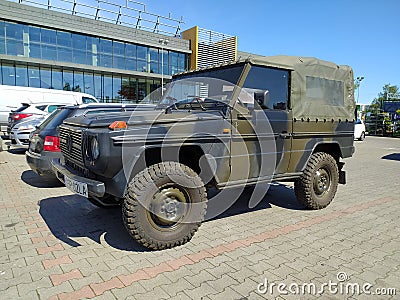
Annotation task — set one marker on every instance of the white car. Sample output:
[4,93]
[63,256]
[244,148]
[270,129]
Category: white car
[20,133]
[359,130]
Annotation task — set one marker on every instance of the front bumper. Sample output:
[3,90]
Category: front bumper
[20,140]
[95,188]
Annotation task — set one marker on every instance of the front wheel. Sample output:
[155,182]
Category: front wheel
[164,205]
[317,186]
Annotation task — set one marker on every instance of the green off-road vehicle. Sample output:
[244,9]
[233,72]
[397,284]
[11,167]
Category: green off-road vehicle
[241,124]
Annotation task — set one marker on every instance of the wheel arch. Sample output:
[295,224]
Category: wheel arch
[331,148]
[191,155]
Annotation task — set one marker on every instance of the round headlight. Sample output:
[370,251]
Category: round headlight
[94,147]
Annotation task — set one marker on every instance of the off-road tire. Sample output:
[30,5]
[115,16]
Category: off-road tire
[305,187]
[142,190]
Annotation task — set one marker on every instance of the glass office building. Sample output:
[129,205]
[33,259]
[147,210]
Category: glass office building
[111,69]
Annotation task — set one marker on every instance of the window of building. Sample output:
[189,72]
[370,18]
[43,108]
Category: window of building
[21,75]
[142,59]
[78,82]
[48,36]
[79,49]
[88,81]
[56,78]
[142,89]
[64,46]
[34,76]
[64,39]
[164,63]
[116,96]
[181,62]
[8,74]
[14,39]
[45,78]
[98,87]
[2,38]
[92,48]
[68,80]
[173,60]
[107,88]
[268,86]
[49,52]
[128,89]
[153,54]
[105,53]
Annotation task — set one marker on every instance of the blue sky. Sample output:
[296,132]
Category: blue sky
[362,34]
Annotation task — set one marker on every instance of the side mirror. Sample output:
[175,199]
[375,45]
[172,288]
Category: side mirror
[262,99]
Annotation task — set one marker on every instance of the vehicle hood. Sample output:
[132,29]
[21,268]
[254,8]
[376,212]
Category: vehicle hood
[141,118]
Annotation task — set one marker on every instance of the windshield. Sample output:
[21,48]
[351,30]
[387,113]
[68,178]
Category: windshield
[201,90]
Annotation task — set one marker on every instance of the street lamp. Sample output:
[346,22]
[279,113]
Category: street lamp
[163,42]
[357,83]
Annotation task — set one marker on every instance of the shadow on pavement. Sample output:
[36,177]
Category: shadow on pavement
[393,156]
[35,180]
[18,151]
[278,195]
[70,217]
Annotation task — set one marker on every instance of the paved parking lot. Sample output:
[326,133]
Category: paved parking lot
[55,245]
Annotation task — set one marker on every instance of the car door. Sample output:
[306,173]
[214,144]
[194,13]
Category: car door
[261,126]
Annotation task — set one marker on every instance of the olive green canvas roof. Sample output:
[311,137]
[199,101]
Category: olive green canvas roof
[318,89]
[306,71]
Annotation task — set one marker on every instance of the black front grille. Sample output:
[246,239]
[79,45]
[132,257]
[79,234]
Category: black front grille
[71,145]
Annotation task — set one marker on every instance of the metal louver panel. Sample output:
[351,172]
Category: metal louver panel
[215,48]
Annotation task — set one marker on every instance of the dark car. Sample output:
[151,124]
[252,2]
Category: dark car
[44,144]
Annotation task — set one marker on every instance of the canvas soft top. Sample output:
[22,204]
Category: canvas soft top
[312,98]
[306,100]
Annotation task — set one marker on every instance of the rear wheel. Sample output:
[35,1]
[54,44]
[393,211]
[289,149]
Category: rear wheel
[317,186]
[164,205]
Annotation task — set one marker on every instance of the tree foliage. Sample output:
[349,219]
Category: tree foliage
[376,104]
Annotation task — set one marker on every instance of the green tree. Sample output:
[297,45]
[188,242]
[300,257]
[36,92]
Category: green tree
[376,104]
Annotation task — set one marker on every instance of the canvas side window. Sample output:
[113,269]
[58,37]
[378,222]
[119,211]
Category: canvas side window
[267,87]
[324,91]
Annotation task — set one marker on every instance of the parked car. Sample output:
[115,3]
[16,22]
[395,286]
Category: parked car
[359,130]
[12,98]
[21,132]
[29,111]
[44,144]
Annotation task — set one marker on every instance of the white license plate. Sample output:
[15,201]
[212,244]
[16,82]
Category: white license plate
[77,187]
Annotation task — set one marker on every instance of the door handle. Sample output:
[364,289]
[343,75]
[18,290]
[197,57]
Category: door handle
[284,135]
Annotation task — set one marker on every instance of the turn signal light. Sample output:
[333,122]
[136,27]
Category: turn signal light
[51,143]
[118,125]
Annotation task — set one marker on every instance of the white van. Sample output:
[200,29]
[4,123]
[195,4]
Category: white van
[12,97]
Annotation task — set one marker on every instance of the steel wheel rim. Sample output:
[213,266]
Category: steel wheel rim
[322,181]
[168,207]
